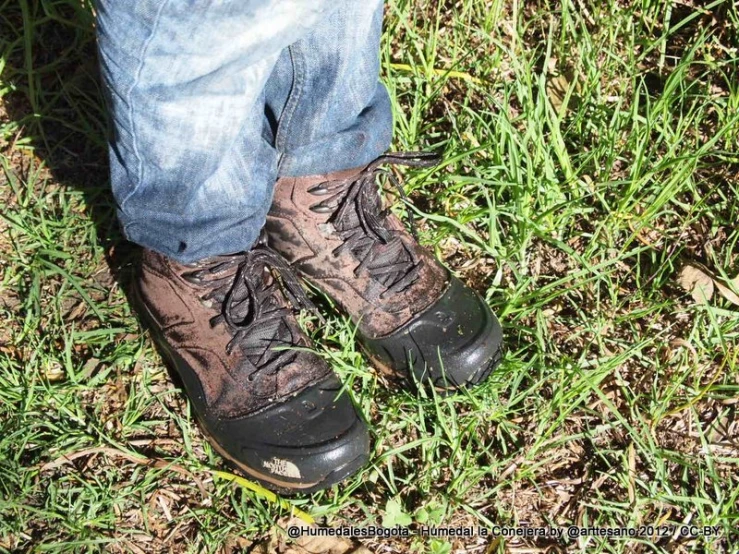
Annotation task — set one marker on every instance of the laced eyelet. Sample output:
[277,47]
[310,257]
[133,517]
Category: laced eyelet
[319,190]
[320,209]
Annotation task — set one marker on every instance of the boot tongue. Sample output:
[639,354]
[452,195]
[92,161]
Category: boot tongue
[246,293]
[254,291]
[386,258]
[273,332]
[242,302]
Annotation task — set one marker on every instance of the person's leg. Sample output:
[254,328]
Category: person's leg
[337,114]
[193,167]
[413,316]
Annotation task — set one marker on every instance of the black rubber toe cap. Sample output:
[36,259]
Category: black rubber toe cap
[455,342]
[307,443]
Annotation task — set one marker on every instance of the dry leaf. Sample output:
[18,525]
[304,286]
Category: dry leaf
[697,282]
[727,293]
[557,90]
[89,368]
[558,85]
[701,283]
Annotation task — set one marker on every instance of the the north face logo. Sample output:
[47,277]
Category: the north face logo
[281,467]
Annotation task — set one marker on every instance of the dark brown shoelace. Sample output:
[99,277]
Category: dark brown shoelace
[359,219]
[248,287]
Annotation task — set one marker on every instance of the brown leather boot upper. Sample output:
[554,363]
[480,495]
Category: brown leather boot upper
[228,319]
[334,231]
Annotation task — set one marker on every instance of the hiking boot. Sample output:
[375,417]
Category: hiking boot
[268,404]
[412,315]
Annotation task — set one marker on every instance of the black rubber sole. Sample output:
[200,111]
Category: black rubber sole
[339,474]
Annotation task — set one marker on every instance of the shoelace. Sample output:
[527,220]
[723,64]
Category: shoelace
[357,215]
[250,304]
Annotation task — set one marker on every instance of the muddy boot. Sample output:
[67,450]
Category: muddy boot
[269,405]
[413,316]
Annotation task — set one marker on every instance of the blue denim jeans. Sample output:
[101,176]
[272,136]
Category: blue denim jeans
[212,100]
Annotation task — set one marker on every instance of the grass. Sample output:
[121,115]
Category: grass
[591,150]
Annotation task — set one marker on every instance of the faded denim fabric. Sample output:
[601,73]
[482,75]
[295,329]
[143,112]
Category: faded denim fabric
[211,100]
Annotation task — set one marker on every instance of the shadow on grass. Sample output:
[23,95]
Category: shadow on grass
[57,100]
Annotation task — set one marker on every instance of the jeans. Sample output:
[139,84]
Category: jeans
[212,100]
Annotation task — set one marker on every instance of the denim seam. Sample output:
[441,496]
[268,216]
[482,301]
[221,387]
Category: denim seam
[291,106]
[129,96]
